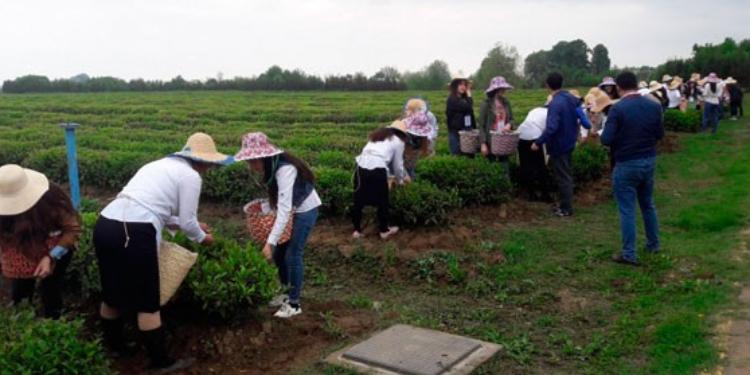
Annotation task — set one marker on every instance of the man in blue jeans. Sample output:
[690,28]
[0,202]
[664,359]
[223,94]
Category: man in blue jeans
[633,128]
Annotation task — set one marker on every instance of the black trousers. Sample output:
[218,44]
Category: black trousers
[534,175]
[371,189]
[736,109]
[563,171]
[50,289]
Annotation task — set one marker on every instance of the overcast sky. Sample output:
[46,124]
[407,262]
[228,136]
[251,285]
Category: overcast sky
[158,39]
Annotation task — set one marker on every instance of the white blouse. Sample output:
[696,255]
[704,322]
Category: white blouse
[389,152]
[533,126]
[285,177]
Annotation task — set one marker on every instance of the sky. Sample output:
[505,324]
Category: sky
[198,39]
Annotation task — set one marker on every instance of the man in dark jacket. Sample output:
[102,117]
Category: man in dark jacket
[633,128]
[459,112]
[560,136]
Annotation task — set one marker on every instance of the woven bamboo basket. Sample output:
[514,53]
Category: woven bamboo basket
[469,141]
[174,264]
[503,144]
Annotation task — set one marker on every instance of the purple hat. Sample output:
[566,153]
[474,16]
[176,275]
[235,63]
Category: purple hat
[713,78]
[418,124]
[498,83]
[607,81]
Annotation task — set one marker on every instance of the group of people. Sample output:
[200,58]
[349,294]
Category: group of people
[39,228]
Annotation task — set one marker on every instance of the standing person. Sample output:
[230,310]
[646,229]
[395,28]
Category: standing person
[163,193]
[291,191]
[534,176]
[634,126]
[459,112]
[382,156]
[609,87]
[712,92]
[39,229]
[495,115]
[673,93]
[643,88]
[735,98]
[692,91]
[583,119]
[660,93]
[560,136]
[418,129]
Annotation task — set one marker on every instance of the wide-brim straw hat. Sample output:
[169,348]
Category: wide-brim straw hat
[642,85]
[654,86]
[498,83]
[607,81]
[415,105]
[695,77]
[676,82]
[256,146]
[730,81]
[418,124]
[713,78]
[459,76]
[575,93]
[601,102]
[398,125]
[666,78]
[20,189]
[200,147]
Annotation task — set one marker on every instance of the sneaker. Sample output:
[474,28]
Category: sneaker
[391,231]
[287,311]
[279,300]
[562,213]
[356,235]
[178,365]
[618,258]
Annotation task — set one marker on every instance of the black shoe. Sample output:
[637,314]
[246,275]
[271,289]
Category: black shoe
[177,365]
[618,258]
[562,213]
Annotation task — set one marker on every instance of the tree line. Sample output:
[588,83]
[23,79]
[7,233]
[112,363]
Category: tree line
[581,66]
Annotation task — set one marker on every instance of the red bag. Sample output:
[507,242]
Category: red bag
[260,222]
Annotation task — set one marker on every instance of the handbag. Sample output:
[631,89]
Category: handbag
[259,220]
[174,264]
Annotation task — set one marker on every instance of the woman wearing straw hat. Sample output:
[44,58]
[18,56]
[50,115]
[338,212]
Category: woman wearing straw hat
[673,93]
[691,90]
[39,228]
[416,105]
[712,92]
[735,98]
[459,111]
[383,155]
[418,129]
[163,193]
[660,93]
[609,86]
[495,115]
[291,191]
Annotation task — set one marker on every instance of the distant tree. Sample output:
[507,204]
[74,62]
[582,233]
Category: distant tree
[80,78]
[600,62]
[536,67]
[29,83]
[432,77]
[500,61]
[572,55]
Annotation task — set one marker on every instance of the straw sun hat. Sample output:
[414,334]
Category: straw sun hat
[730,81]
[601,101]
[200,147]
[20,189]
[398,125]
[676,82]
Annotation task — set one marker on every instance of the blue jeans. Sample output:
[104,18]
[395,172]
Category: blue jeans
[711,116]
[634,179]
[454,142]
[288,256]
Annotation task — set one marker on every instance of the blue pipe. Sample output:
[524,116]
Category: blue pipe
[70,143]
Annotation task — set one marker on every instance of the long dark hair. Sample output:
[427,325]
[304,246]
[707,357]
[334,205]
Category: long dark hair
[30,230]
[382,134]
[713,87]
[271,165]
[453,88]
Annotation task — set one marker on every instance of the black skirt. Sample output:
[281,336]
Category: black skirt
[129,275]
[371,187]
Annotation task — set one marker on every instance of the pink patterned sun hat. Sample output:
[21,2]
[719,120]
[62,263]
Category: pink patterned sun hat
[497,83]
[256,146]
[607,81]
[418,124]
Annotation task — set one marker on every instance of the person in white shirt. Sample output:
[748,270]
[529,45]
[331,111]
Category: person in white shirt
[712,92]
[291,192]
[535,178]
[163,193]
[673,93]
[382,156]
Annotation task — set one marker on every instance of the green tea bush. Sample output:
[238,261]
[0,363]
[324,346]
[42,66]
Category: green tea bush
[228,279]
[336,159]
[477,181]
[82,275]
[688,121]
[589,162]
[422,203]
[41,346]
[234,184]
[335,188]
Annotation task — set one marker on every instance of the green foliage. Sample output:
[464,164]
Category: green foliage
[40,346]
[336,159]
[335,189]
[678,121]
[82,275]
[477,181]
[422,203]
[501,60]
[228,279]
[234,184]
[728,58]
[589,162]
[600,59]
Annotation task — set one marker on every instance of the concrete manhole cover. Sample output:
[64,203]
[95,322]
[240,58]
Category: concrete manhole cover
[407,350]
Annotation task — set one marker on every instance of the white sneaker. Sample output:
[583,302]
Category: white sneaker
[279,300]
[356,235]
[391,231]
[287,311]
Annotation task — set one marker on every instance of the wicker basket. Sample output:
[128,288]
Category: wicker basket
[503,144]
[469,141]
[260,219]
[174,264]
